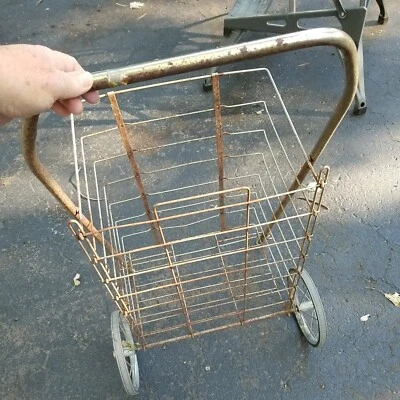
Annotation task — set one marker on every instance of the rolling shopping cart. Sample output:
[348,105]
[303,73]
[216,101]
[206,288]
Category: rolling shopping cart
[197,210]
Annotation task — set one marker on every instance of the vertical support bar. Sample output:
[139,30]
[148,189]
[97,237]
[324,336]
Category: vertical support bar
[383,16]
[175,276]
[137,324]
[220,147]
[246,255]
[307,166]
[131,156]
[315,207]
[238,313]
[78,181]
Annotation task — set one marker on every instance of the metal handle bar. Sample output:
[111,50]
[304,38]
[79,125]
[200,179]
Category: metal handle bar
[207,59]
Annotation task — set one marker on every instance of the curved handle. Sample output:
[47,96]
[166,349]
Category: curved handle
[206,59]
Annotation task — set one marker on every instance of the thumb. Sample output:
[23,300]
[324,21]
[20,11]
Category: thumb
[73,84]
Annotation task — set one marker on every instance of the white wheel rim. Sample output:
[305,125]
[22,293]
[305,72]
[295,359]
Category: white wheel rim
[124,353]
[309,310]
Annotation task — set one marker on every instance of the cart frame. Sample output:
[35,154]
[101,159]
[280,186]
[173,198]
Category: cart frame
[87,234]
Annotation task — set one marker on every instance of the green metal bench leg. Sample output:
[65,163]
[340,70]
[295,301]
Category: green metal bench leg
[383,16]
[360,104]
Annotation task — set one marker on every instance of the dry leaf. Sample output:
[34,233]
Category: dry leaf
[365,318]
[136,4]
[127,345]
[394,298]
[76,280]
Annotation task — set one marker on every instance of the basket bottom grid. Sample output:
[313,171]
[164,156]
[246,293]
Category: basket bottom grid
[224,286]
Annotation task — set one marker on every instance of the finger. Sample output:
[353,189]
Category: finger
[4,120]
[92,97]
[65,62]
[73,106]
[68,85]
[60,109]
[66,107]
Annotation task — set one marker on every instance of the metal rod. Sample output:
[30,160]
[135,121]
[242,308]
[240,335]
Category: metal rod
[176,277]
[220,147]
[31,158]
[315,207]
[228,280]
[216,329]
[246,255]
[137,326]
[305,169]
[132,161]
[208,59]
[239,52]
[197,237]
[186,214]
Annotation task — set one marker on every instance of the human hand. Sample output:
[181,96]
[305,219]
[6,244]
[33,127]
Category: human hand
[34,79]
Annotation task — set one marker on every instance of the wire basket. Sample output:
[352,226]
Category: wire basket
[194,198]
[195,209]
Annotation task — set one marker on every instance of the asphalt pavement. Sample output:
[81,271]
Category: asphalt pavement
[56,342]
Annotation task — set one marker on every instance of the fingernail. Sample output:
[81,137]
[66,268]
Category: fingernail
[86,79]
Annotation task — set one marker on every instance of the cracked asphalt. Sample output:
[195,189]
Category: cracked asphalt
[56,343]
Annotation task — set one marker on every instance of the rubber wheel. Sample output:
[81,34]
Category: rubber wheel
[125,353]
[308,309]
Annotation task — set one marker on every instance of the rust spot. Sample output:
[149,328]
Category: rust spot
[244,50]
[125,81]
[280,41]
